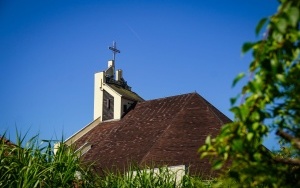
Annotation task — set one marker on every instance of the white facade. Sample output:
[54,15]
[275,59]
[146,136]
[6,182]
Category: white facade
[98,94]
[121,103]
[100,87]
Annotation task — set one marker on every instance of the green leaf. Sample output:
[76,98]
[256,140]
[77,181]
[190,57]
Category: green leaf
[250,136]
[277,36]
[237,145]
[293,14]
[281,25]
[238,78]
[260,24]
[226,156]
[218,164]
[234,99]
[208,140]
[204,154]
[247,46]
[255,126]
[280,77]
[257,156]
[255,116]
[243,112]
[236,111]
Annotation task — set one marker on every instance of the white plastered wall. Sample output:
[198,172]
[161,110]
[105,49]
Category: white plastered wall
[98,94]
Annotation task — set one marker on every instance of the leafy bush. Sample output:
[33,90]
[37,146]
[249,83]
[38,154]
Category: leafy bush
[270,101]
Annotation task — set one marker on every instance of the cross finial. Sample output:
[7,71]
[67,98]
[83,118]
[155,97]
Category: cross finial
[114,50]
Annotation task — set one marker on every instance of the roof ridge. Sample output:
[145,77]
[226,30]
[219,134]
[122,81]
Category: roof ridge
[124,92]
[163,98]
[83,130]
[212,109]
[170,124]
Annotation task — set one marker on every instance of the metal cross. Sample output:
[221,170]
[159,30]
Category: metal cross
[114,50]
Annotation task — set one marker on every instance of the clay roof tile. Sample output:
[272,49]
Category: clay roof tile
[166,131]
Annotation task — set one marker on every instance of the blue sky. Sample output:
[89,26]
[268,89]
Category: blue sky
[50,50]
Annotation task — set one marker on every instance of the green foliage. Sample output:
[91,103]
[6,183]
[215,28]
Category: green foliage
[138,177]
[34,166]
[270,100]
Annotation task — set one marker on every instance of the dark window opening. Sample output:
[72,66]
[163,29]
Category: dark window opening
[124,108]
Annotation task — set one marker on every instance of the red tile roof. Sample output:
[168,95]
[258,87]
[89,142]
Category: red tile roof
[165,131]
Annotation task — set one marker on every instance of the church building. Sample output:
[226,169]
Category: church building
[129,130]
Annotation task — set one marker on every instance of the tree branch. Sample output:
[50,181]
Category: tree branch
[294,141]
[288,161]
